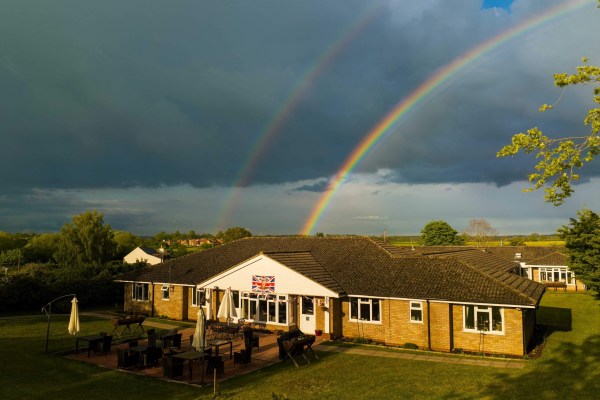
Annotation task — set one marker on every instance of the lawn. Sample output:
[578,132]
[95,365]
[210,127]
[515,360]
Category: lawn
[568,368]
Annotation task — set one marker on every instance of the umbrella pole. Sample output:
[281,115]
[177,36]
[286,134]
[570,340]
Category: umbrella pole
[48,312]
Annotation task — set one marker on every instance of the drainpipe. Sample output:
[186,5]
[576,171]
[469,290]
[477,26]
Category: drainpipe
[428,327]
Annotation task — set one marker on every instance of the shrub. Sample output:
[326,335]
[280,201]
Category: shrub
[410,346]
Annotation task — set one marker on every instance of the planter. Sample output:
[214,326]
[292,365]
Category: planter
[318,332]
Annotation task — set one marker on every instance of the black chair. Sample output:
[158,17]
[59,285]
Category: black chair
[176,341]
[125,359]
[215,363]
[151,338]
[153,354]
[104,346]
[250,339]
[172,367]
[244,356]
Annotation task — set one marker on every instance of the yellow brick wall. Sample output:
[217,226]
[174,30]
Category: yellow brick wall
[400,329]
[367,330]
[172,308]
[136,307]
[440,326]
[511,342]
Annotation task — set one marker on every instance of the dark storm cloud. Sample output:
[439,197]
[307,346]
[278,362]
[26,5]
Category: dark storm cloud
[121,94]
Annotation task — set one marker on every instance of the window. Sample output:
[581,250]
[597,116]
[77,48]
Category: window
[416,311]
[165,291]
[263,308]
[365,309]
[482,318]
[140,292]
[199,296]
[557,274]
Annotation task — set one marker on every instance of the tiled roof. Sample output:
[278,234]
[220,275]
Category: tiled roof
[556,258]
[360,266]
[527,252]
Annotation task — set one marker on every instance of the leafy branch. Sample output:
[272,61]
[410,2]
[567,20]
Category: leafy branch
[561,158]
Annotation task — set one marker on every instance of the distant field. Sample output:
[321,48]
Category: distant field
[492,243]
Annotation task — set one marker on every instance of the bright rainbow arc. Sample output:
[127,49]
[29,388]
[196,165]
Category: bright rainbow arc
[419,95]
[283,114]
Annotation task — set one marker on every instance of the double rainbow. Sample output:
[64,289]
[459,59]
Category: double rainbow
[420,94]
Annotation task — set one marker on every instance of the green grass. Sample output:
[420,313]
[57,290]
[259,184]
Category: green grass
[568,368]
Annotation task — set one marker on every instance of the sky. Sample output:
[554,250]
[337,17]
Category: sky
[203,115]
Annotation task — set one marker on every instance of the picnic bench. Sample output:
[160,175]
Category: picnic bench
[556,285]
[299,346]
[126,323]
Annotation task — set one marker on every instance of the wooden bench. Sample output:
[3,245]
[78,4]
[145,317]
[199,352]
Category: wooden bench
[556,285]
[126,322]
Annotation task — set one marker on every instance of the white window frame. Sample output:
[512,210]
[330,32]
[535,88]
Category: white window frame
[361,301]
[415,306]
[271,301]
[548,274]
[483,310]
[165,291]
[143,292]
[196,296]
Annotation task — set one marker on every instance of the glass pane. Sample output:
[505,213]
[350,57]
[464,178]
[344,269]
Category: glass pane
[236,298]
[354,308]
[375,310]
[496,319]
[416,315]
[252,310]
[262,311]
[282,312]
[272,310]
[483,320]
[365,311]
[469,317]
[308,306]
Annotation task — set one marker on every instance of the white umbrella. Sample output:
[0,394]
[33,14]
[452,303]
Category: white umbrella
[227,308]
[74,320]
[199,338]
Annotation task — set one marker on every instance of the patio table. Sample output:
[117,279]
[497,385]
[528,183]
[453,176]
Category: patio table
[216,343]
[190,356]
[91,339]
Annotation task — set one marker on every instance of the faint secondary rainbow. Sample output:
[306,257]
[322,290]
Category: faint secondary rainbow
[283,114]
[420,94]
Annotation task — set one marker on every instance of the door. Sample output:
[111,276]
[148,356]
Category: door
[307,315]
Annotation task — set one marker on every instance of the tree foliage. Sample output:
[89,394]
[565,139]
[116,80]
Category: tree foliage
[125,242]
[561,158]
[582,240]
[480,231]
[85,242]
[234,233]
[41,248]
[440,233]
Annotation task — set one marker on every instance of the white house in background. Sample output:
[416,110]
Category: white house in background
[143,254]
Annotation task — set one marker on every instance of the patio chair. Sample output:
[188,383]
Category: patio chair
[176,341]
[215,363]
[153,354]
[250,339]
[244,356]
[104,346]
[172,367]
[125,359]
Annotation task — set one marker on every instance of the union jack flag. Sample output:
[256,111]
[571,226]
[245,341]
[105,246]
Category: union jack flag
[264,284]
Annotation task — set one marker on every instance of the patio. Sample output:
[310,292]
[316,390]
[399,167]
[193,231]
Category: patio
[266,354]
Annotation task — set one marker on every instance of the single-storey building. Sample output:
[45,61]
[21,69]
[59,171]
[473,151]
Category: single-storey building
[351,287]
[144,254]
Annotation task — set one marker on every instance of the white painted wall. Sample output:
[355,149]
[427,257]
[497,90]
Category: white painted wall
[287,281]
[138,255]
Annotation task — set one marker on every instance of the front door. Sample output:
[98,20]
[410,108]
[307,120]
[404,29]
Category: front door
[307,314]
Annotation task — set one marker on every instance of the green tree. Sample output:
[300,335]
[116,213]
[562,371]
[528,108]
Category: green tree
[561,158]
[85,242]
[125,242]
[234,233]
[440,233]
[41,248]
[582,240]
